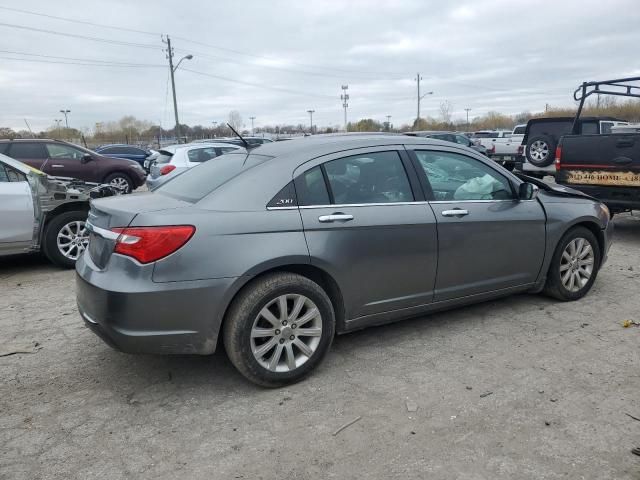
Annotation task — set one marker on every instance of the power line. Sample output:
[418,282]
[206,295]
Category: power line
[125,65]
[83,37]
[266,87]
[83,22]
[87,60]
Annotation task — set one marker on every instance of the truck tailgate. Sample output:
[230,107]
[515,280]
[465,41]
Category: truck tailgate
[605,160]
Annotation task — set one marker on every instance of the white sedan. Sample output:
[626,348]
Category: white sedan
[175,159]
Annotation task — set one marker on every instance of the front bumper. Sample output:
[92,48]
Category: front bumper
[141,316]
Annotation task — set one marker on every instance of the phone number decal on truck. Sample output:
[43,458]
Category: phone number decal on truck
[619,179]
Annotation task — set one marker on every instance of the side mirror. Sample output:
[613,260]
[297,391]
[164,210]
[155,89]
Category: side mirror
[527,191]
[86,158]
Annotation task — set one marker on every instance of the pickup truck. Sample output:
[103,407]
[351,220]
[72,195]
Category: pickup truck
[502,145]
[606,167]
[602,164]
[542,135]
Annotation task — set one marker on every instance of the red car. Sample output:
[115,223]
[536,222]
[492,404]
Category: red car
[63,159]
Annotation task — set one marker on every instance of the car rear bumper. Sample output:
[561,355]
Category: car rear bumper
[149,317]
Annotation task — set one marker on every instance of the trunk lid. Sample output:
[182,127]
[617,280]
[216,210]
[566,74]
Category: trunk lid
[120,211]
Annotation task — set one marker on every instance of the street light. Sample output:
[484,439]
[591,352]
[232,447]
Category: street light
[66,120]
[172,70]
[311,112]
[252,119]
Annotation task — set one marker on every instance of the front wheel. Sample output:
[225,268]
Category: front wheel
[279,329]
[574,265]
[121,181]
[66,238]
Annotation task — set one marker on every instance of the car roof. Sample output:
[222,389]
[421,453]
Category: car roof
[317,145]
[173,148]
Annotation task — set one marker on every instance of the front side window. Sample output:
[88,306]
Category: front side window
[64,151]
[462,140]
[457,177]
[200,155]
[27,151]
[369,178]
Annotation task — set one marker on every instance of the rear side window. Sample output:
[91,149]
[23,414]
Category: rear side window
[27,151]
[285,197]
[369,178]
[196,183]
[591,128]
[164,156]
[311,188]
[4,147]
[200,155]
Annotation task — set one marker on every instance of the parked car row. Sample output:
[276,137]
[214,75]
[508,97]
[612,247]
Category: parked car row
[62,159]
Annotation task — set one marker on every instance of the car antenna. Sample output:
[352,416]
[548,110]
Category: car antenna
[246,144]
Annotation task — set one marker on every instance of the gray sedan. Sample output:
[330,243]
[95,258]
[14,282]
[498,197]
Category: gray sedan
[275,250]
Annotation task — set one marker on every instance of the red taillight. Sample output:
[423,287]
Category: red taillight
[167,169]
[558,157]
[148,244]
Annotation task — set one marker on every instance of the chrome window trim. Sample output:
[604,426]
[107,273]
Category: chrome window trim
[426,202]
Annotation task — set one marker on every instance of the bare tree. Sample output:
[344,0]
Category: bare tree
[446,110]
[235,120]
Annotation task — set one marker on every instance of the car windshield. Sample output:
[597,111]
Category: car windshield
[198,182]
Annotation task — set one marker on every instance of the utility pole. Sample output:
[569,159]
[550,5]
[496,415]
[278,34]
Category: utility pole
[345,103]
[252,119]
[173,83]
[66,120]
[467,110]
[388,123]
[214,128]
[420,97]
[311,112]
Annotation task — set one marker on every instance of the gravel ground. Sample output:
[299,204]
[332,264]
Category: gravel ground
[524,387]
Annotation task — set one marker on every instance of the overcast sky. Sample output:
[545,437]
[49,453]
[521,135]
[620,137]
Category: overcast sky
[277,59]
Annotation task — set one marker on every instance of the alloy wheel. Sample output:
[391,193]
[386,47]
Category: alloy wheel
[576,264]
[120,183]
[73,239]
[539,150]
[286,333]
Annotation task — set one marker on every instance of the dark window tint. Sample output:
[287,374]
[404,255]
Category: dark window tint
[224,150]
[591,128]
[27,151]
[486,135]
[164,156]
[462,140]
[196,183]
[519,130]
[4,147]
[605,127]
[369,178]
[201,154]
[285,197]
[311,188]
[457,177]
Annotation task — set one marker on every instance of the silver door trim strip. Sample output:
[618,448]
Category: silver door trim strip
[389,204]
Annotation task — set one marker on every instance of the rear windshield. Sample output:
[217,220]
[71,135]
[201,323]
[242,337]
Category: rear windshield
[486,135]
[519,130]
[198,182]
[164,156]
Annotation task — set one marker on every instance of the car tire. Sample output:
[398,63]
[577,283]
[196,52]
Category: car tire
[541,151]
[65,238]
[567,278]
[257,329]
[120,180]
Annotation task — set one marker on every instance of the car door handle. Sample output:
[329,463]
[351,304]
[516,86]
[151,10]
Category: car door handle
[456,212]
[335,217]
[57,165]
